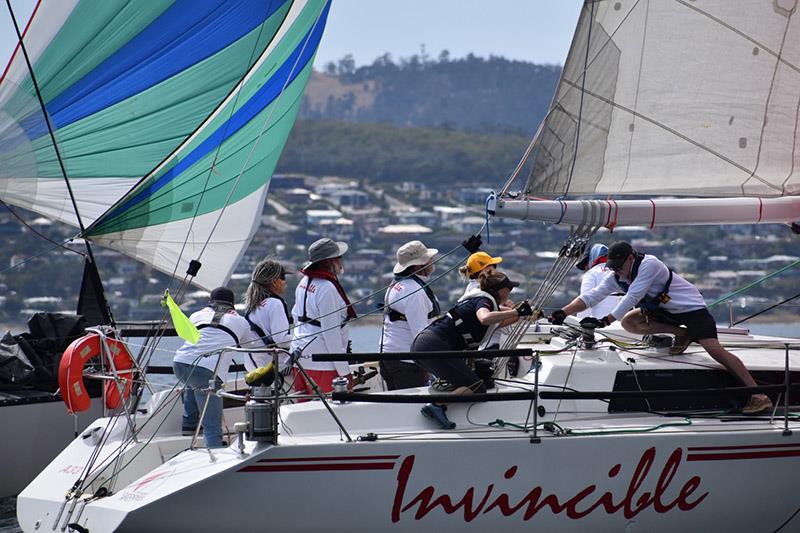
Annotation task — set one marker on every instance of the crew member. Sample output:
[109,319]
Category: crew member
[195,364]
[477,263]
[665,302]
[410,306]
[465,327]
[594,267]
[321,312]
[267,312]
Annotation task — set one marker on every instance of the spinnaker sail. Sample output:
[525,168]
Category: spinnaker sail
[684,98]
[169,116]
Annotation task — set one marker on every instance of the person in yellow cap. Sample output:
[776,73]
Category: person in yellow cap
[476,264]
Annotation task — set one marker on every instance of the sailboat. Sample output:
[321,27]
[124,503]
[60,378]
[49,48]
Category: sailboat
[597,430]
[153,128]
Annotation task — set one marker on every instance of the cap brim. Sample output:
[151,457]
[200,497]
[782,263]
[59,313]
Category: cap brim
[615,264]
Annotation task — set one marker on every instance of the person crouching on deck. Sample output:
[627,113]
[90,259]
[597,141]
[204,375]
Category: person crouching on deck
[410,306]
[321,311]
[195,364]
[465,327]
[267,313]
[659,301]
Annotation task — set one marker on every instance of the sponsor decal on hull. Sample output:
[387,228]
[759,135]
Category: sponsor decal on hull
[584,502]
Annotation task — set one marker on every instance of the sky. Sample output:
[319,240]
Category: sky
[539,31]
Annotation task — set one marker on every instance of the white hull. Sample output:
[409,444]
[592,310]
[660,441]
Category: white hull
[40,432]
[615,472]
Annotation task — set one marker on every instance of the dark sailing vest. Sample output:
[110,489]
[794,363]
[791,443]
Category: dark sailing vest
[394,316]
[219,312]
[648,303]
[465,320]
[267,339]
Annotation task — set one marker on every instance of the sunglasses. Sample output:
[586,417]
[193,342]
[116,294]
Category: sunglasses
[282,275]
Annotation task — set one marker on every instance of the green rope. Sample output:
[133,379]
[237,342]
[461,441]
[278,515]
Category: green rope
[754,283]
[686,422]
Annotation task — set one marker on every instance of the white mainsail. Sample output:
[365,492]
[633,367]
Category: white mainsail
[674,98]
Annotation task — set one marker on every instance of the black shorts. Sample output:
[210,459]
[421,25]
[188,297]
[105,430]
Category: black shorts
[700,324]
[402,375]
[456,371]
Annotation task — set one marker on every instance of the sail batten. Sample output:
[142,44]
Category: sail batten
[696,99]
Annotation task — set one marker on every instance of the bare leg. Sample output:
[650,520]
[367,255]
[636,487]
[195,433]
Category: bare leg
[731,363]
[634,322]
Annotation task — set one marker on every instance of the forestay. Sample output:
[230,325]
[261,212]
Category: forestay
[170,117]
[675,97]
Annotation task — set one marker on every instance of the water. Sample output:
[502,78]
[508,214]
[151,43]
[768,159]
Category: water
[365,339]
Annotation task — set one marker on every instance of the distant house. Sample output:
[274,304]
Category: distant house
[350,199]
[474,195]
[319,216]
[404,229]
[287,181]
[297,196]
[447,213]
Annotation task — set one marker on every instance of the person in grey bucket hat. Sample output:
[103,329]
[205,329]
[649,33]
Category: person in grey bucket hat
[321,311]
[323,249]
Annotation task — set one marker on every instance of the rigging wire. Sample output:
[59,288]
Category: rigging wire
[38,233]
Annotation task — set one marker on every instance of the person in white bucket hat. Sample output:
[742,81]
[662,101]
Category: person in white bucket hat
[321,312]
[410,305]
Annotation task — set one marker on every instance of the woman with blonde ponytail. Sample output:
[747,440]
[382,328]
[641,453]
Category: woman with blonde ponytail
[266,310]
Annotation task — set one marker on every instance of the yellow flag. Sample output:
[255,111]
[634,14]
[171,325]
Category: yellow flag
[183,327]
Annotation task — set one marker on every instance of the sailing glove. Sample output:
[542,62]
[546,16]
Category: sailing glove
[473,244]
[524,309]
[557,317]
[592,322]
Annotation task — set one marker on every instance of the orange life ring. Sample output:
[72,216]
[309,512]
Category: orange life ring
[70,372]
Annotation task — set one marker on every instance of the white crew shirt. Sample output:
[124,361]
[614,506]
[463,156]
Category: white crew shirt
[408,297]
[271,318]
[591,279]
[650,281]
[213,339]
[323,303]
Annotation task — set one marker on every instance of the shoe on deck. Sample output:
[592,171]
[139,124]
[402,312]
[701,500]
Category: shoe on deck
[682,341]
[758,404]
[437,414]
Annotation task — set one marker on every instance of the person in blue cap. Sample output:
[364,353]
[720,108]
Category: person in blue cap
[593,265]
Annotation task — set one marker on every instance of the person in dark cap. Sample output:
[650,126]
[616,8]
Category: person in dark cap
[657,300]
[321,312]
[465,327]
[195,365]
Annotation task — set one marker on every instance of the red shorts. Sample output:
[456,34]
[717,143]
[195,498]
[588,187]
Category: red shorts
[323,379]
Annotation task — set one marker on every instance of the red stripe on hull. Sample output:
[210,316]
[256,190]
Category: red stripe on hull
[318,468]
[743,455]
[748,447]
[343,458]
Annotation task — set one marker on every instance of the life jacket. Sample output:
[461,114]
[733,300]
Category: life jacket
[70,372]
[305,319]
[468,324]
[220,310]
[267,339]
[648,303]
[394,316]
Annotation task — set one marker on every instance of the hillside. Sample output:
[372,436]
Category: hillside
[471,93]
[387,153]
